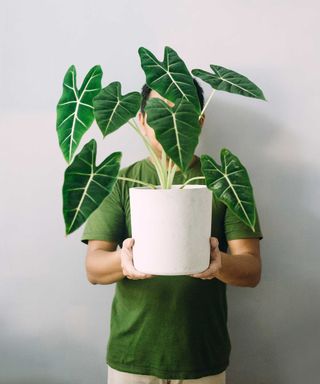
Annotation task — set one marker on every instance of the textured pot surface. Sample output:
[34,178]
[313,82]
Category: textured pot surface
[171,228]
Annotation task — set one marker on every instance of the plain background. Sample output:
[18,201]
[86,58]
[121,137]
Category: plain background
[54,324]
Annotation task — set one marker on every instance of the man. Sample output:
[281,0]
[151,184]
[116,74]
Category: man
[167,329]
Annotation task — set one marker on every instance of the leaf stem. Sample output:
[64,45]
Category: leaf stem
[137,181]
[193,178]
[164,167]
[171,172]
[206,104]
[160,171]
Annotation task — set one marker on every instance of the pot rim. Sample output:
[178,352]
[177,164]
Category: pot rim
[174,187]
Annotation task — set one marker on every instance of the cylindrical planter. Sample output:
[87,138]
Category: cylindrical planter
[171,228]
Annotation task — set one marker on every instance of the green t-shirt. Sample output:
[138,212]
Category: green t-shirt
[172,327]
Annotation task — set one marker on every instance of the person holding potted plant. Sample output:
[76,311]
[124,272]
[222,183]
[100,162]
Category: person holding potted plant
[167,327]
[169,318]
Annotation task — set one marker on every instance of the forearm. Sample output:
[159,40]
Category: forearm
[104,267]
[241,270]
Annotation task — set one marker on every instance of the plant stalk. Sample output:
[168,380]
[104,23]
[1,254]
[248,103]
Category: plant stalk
[172,173]
[164,167]
[206,104]
[137,181]
[160,171]
[193,178]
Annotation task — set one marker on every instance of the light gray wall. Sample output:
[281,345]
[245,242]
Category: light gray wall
[54,324]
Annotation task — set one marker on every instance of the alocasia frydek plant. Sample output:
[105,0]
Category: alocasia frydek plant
[177,129]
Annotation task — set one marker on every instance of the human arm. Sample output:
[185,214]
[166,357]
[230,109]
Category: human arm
[105,264]
[104,230]
[240,267]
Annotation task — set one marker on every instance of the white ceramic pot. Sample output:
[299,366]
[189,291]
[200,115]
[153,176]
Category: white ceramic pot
[171,228]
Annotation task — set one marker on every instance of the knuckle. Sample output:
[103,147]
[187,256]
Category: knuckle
[130,276]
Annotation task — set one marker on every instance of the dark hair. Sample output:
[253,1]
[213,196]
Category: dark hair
[145,92]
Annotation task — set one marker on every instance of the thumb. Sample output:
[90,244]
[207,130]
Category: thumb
[128,243]
[214,242]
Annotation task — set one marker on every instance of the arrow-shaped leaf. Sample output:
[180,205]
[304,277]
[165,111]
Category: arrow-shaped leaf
[177,129]
[171,78]
[230,183]
[75,109]
[224,79]
[86,185]
[112,110]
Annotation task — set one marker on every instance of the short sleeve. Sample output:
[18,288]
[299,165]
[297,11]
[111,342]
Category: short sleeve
[107,222]
[236,229]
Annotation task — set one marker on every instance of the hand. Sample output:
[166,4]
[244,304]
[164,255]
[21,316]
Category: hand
[128,268]
[215,261]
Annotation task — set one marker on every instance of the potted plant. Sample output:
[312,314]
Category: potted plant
[180,212]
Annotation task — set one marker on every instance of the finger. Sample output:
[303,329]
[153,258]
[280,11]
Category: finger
[205,275]
[210,277]
[215,263]
[127,262]
[215,260]
[129,269]
[134,273]
[215,257]
[128,243]
[126,257]
[210,271]
[127,252]
[138,277]
[214,243]
[199,274]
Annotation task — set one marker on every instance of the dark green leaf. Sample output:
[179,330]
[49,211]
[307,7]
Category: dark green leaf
[224,79]
[112,110]
[86,185]
[75,109]
[177,129]
[171,78]
[230,183]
